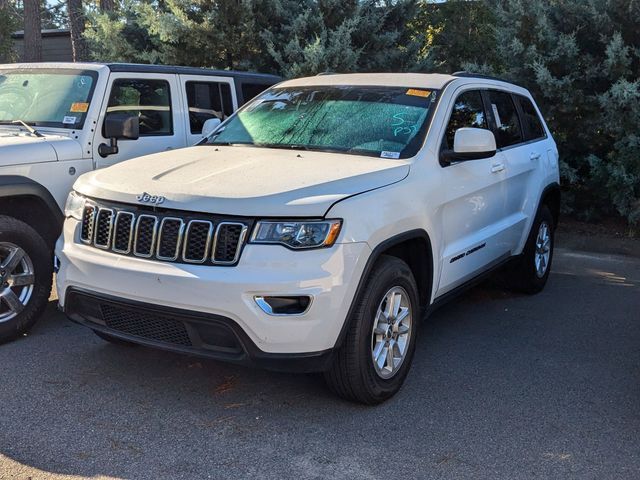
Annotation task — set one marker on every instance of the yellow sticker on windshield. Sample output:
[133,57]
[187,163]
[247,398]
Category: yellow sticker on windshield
[79,107]
[418,93]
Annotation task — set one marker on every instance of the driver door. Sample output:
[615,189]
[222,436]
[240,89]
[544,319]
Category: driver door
[473,206]
[155,100]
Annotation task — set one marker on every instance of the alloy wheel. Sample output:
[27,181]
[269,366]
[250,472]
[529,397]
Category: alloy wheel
[543,250]
[391,332]
[17,280]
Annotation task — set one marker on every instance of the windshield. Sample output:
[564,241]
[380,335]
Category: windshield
[48,98]
[388,122]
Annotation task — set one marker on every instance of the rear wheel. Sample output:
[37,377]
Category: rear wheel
[26,271]
[376,356]
[529,272]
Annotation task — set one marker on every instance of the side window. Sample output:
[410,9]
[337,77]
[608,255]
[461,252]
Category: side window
[531,121]
[149,100]
[468,111]
[250,90]
[505,116]
[207,100]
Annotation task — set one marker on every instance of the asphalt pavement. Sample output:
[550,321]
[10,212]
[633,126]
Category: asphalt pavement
[503,386]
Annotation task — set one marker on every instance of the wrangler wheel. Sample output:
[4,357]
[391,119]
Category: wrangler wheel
[25,277]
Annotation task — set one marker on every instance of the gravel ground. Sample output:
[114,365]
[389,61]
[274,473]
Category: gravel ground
[502,386]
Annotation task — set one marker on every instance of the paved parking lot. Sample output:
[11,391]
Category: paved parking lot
[503,386]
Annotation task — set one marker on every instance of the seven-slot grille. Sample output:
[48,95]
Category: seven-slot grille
[169,236]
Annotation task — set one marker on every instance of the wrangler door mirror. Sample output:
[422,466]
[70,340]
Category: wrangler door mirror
[209,126]
[118,126]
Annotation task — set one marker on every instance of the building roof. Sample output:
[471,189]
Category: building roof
[46,32]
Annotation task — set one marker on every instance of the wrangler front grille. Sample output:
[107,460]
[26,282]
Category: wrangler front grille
[170,236]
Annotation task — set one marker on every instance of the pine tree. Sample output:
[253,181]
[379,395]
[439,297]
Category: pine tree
[581,60]
[8,24]
[32,31]
[77,21]
[345,36]
[455,35]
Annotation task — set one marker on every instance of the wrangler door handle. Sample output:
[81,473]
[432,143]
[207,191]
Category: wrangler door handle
[534,156]
[498,167]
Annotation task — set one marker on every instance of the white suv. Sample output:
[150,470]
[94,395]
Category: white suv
[315,227]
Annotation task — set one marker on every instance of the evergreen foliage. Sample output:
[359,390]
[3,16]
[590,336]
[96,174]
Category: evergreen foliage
[8,24]
[581,61]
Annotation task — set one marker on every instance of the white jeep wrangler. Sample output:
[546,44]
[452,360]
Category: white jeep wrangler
[313,229]
[59,120]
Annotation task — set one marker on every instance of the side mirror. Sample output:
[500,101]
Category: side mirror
[471,144]
[118,126]
[209,126]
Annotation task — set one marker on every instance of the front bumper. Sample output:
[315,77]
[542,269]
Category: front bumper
[215,295]
[203,335]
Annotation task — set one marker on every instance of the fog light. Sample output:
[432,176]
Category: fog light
[285,305]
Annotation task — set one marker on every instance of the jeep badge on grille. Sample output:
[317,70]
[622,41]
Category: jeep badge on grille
[144,197]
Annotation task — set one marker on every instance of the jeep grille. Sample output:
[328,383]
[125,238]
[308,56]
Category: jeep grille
[169,235]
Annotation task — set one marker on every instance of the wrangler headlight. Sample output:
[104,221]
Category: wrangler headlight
[74,206]
[298,234]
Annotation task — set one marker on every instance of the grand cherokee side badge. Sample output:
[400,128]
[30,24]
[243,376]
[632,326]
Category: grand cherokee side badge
[144,197]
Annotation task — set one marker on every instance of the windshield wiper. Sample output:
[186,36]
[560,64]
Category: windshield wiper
[29,128]
[227,144]
[283,146]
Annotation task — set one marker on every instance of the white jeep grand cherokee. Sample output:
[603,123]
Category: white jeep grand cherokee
[314,228]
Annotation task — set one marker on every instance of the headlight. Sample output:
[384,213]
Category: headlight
[298,234]
[74,206]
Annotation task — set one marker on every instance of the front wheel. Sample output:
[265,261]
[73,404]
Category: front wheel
[376,355]
[26,271]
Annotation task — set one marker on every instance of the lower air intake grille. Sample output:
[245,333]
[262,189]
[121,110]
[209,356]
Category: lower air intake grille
[145,325]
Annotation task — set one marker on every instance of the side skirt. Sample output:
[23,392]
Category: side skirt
[472,282]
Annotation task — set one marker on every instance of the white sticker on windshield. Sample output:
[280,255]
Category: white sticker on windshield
[70,120]
[496,115]
[389,154]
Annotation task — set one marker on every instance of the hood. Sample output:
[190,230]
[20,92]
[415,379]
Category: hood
[244,181]
[17,148]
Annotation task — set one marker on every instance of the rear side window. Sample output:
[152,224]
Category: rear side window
[250,90]
[531,122]
[505,116]
[468,111]
[207,100]
[149,100]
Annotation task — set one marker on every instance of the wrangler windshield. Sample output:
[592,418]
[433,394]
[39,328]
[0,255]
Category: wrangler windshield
[48,98]
[388,122]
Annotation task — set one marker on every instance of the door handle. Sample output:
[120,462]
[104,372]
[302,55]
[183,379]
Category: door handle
[534,156]
[497,167]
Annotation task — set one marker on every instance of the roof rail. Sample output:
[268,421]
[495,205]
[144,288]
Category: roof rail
[325,73]
[465,74]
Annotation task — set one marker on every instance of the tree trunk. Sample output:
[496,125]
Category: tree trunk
[107,6]
[77,22]
[32,31]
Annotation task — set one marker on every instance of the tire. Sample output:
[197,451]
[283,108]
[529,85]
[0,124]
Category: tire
[524,274]
[114,340]
[353,374]
[26,271]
